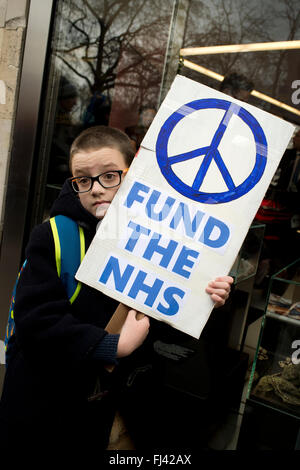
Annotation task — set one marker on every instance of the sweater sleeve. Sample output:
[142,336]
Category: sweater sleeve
[46,329]
[106,350]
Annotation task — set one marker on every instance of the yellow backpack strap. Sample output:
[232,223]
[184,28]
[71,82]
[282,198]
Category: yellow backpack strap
[82,253]
[69,245]
[56,245]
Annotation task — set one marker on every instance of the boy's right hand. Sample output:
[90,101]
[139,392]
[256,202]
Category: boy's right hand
[133,333]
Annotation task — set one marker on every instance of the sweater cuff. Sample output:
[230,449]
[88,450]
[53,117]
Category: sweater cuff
[106,350]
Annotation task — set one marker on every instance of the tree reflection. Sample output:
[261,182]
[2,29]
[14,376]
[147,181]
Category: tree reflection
[217,22]
[115,40]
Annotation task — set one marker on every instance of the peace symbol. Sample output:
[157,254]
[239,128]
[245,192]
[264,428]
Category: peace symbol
[211,153]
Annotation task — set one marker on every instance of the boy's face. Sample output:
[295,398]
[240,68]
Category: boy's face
[93,163]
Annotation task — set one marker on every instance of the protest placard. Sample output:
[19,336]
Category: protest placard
[186,204]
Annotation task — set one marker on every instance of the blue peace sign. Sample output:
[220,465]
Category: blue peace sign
[210,153]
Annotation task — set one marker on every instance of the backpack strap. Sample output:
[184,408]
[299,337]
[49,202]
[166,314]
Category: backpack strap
[10,327]
[69,245]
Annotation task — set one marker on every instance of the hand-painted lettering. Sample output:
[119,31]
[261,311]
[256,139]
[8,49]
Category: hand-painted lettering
[146,288]
[152,291]
[184,261]
[212,226]
[120,280]
[183,214]
[173,305]
[152,202]
[137,230]
[134,194]
[166,252]
[177,215]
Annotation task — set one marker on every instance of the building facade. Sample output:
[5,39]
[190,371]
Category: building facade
[66,65]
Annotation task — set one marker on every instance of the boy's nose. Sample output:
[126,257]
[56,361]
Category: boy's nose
[97,188]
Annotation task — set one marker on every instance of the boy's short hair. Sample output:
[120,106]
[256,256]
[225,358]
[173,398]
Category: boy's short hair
[97,137]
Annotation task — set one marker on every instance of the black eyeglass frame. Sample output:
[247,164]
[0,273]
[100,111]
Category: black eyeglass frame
[96,178]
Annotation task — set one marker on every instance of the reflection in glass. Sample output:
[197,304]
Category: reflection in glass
[275,378]
[211,22]
[106,69]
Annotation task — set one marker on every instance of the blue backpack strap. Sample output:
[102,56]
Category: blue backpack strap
[10,328]
[69,252]
[69,245]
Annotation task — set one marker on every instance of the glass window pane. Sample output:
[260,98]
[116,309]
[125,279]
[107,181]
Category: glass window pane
[273,72]
[107,60]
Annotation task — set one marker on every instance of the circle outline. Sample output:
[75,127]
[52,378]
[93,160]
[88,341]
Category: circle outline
[199,196]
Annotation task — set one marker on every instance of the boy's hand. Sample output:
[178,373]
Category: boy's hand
[219,290]
[133,333]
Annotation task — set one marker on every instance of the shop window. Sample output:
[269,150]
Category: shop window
[106,66]
[256,45]
[274,71]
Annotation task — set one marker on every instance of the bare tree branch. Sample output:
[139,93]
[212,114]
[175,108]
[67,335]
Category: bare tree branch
[75,71]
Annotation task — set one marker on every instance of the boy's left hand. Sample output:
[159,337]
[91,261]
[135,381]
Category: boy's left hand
[219,290]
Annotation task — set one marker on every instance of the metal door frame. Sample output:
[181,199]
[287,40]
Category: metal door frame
[23,145]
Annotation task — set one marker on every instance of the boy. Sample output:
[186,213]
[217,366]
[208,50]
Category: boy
[60,350]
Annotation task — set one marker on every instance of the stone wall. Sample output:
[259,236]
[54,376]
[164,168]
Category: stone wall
[13,14]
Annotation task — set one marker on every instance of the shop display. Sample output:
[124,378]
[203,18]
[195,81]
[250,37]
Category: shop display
[275,377]
[244,272]
[283,306]
[282,387]
[246,262]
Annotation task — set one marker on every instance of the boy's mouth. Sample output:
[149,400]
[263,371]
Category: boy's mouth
[100,203]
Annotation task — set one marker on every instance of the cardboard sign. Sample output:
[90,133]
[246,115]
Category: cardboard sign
[186,204]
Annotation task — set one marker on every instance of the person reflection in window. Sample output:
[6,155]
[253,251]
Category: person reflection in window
[98,111]
[138,132]
[237,86]
[65,130]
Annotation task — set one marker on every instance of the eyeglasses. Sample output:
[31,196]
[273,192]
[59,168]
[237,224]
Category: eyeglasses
[109,179]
